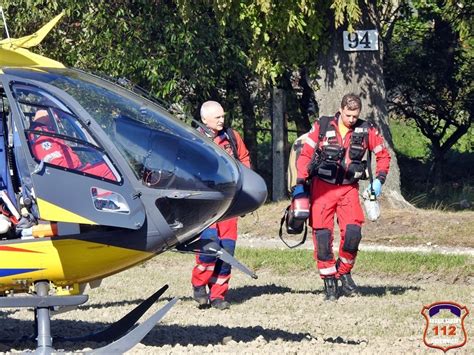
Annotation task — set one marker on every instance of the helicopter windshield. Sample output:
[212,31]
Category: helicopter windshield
[161,150]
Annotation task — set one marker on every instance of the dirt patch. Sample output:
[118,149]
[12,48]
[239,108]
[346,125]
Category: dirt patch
[278,314]
[273,314]
[393,228]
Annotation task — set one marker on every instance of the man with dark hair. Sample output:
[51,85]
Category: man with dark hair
[210,272]
[330,167]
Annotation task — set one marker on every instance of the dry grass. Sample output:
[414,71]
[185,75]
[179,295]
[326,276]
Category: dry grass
[395,227]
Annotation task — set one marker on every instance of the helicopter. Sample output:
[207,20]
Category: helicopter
[96,179]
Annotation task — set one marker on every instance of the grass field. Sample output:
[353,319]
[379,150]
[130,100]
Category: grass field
[397,264]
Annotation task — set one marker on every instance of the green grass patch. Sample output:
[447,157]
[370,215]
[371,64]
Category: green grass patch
[388,263]
[401,263]
[281,261]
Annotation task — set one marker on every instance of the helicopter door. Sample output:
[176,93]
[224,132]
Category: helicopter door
[66,169]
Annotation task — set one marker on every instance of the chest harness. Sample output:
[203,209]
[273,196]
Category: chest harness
[341,164]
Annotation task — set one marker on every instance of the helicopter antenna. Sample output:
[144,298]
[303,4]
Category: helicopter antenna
[5,23]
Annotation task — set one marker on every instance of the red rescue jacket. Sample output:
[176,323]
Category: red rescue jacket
[340,160]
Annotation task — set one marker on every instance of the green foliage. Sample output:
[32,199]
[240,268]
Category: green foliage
[346,10]
[429,75]
[408,140]
[413,152]
[275,36]
[145,41]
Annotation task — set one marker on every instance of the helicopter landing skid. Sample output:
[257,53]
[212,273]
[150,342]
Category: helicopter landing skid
[116,333]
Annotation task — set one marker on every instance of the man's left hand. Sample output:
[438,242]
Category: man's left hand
[376,186]
[299,191]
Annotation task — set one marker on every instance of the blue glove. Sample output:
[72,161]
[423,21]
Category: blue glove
[299,191]
[377,186]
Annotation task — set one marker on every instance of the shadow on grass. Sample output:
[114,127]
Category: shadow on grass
[242,294]
[213,335]
[117,303]
[385,290]
[245,293]
[13,337]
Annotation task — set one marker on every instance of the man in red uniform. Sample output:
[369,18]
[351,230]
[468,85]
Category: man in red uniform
[332,163]
[56,151]
[49,149]
[209,271]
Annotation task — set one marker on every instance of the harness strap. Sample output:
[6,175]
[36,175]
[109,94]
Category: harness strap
[280,233]
[233,141]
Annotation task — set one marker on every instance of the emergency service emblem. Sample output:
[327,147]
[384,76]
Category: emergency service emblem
[46,145]
[444,328]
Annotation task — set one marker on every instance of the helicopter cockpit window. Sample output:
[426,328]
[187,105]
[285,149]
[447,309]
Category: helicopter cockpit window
[193,179]
[163,152]
[56,137]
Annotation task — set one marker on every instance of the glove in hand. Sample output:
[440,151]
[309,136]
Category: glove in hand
[377,186]
[299,191]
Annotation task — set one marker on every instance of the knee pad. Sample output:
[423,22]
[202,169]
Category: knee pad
[352,238]
[323,238]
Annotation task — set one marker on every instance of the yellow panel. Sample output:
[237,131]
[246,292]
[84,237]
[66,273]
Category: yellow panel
[51,212]
[20,57]
[33,39]
[13,51]
[65,261]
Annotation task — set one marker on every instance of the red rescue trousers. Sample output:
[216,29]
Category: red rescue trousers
[343,201]
[211,271]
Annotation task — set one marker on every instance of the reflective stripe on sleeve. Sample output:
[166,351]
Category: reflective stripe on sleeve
[379,148]
[310,142]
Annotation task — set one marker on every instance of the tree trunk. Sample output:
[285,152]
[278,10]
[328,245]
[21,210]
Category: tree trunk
[279,151]
[308,104]
[248,117]
[361,73]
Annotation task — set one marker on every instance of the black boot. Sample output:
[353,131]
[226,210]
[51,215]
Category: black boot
[200,295]
[220,304]
[330,287]
[348,286]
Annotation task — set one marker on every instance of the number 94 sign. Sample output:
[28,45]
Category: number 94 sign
[365,40]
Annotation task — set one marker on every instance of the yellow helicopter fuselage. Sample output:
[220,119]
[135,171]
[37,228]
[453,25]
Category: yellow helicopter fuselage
[63,262]
[123,179]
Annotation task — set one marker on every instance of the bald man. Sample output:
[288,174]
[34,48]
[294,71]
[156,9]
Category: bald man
[210,276]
